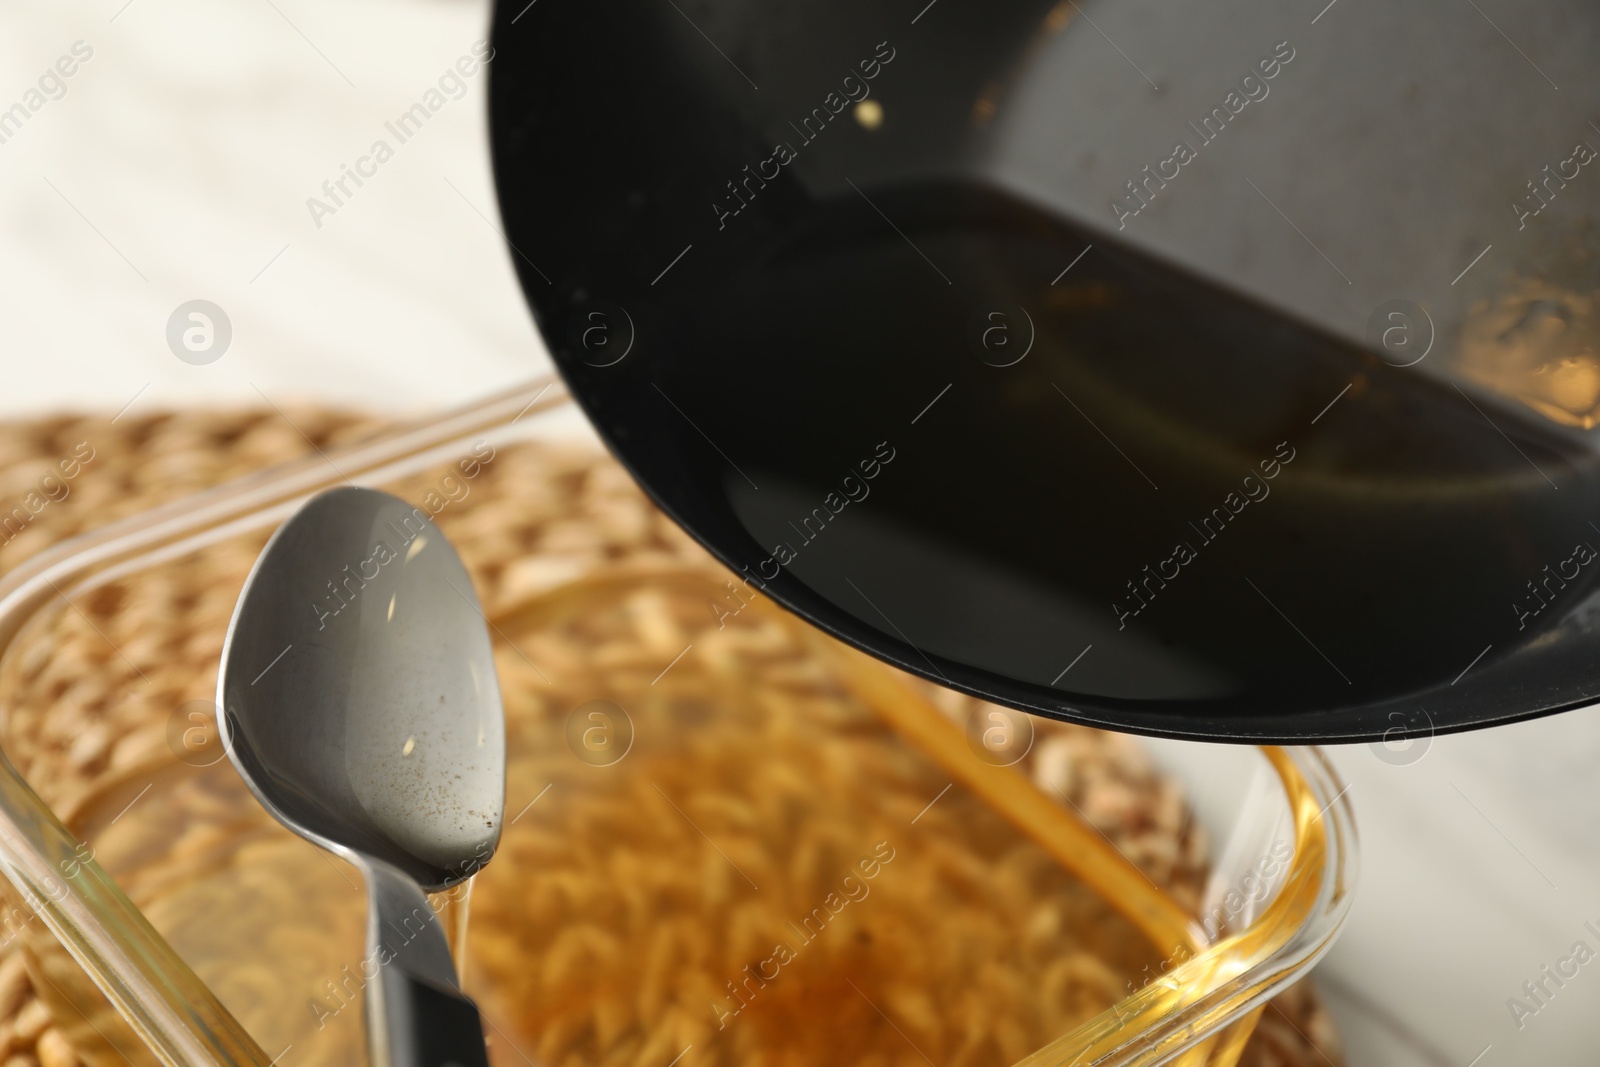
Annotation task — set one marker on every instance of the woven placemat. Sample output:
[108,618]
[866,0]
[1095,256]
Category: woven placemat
[529,518]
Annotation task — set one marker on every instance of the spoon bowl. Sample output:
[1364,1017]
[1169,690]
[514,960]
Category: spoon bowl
[359,695]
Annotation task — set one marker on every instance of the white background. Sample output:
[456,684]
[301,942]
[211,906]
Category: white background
[191,142]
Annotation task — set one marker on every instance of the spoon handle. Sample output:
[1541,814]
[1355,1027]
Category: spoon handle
[429,1025]
[417,1015]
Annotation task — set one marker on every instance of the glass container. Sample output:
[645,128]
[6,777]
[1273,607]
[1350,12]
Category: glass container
[769,725]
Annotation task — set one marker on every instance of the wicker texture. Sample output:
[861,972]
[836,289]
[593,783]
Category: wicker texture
[532,518]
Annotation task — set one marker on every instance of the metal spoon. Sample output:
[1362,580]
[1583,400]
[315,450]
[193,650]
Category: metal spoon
[358,699]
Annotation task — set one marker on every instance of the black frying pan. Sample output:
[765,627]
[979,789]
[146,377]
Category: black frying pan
[1097,358]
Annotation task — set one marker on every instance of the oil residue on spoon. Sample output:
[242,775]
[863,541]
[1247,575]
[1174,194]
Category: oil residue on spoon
[453,906]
